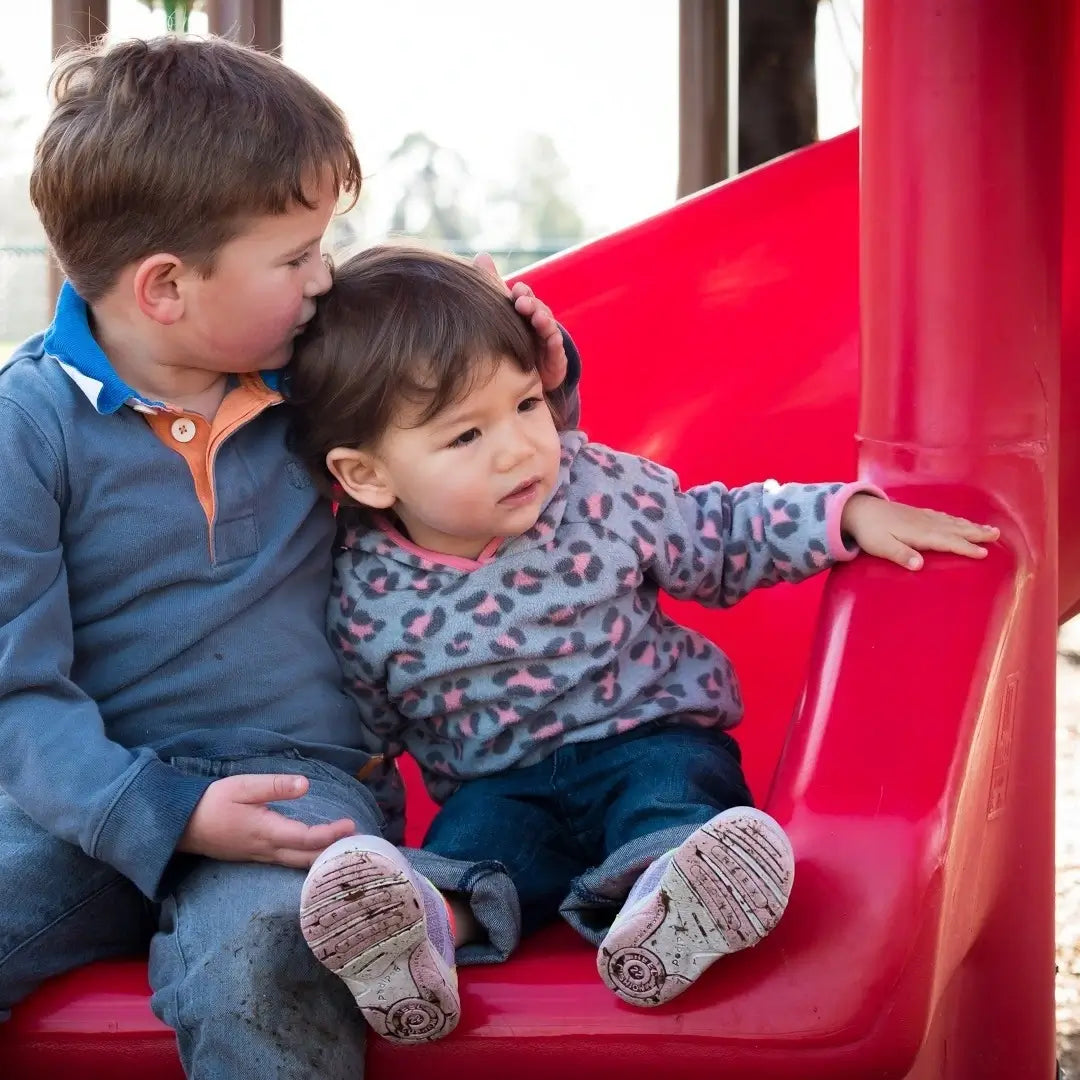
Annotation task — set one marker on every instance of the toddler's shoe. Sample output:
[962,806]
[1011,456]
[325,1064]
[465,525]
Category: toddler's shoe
[385,930]
[722,889]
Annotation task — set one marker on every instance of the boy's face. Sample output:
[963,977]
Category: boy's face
[482,468]
[244,316]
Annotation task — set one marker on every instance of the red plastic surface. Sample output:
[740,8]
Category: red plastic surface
[900,726]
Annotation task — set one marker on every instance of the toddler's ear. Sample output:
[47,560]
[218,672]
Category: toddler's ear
[358,472]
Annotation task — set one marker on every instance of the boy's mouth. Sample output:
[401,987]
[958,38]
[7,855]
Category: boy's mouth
[523,493]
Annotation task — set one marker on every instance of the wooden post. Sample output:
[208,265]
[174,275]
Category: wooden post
[705,88]
[251,22]
[74,22]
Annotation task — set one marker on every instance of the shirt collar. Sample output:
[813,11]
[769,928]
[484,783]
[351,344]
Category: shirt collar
[70,341]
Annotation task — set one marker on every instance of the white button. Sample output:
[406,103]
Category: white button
[183,429]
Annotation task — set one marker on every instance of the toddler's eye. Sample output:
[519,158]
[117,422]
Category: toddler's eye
[467,437]
[300,260]
[529,404]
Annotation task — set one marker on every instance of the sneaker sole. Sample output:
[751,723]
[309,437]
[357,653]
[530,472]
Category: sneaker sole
[362,918]
[727,886]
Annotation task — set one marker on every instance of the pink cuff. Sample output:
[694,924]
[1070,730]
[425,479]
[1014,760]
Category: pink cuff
[839,550]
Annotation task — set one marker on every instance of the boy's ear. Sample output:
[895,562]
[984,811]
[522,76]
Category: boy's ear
[157,288]
[358,472]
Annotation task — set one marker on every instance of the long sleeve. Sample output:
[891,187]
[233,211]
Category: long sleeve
[566,398]
[715,544]
[125,807]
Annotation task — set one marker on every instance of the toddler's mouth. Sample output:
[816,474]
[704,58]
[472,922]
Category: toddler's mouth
[523,493]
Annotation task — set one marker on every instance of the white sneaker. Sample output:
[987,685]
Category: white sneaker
[721,890]
[385,931]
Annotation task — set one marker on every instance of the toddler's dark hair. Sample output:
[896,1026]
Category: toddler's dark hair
[401,325]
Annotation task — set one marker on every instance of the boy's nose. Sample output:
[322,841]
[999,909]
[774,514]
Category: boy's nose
[320,280]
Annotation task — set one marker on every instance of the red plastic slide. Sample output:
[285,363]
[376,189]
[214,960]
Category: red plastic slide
[900,726]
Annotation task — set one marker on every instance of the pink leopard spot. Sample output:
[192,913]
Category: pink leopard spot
[488,606]
[647,657]
[549,731]
[757,528]
[531,682]
[607,687]
[523,580]
[418,627]
[594,506]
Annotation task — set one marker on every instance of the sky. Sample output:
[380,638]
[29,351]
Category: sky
[599,76]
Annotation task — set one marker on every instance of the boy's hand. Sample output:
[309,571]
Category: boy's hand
[232,823]
[898,532]
[553,364]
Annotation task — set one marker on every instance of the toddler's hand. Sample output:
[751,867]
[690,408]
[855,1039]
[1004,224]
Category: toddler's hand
[898,532]
[232,823]
[553,364]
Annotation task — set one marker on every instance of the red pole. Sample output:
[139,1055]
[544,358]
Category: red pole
[961,229]
[961,219]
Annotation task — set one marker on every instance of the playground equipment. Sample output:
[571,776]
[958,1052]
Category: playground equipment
[900,726]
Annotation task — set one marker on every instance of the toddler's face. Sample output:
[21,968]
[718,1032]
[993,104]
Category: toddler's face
[484,467]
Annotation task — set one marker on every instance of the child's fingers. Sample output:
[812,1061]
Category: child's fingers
[982,533]
[951,542]
[487,264]
[256,788]
[895,550]
[290,842]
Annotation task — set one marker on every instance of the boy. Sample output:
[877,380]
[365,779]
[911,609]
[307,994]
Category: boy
[177,746]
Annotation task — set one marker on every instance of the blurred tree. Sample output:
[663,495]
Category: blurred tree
[777,78]
[9,121]
[177,12]
[777,82]
[543,215]
[434,185]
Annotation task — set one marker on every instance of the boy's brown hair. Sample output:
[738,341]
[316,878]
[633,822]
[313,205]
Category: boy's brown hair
[401,326]
[171,145]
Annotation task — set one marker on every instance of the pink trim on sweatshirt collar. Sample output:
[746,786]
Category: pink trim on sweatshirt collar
[457,562]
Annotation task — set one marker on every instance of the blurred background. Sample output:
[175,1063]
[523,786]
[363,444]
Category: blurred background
[519,130]
[481,125]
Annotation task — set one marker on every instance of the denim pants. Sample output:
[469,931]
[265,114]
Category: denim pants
[230,971]
[575,830]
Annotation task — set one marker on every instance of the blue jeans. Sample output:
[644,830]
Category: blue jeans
[230,971]
[575,830]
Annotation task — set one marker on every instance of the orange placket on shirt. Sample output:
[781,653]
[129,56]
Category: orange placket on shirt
[197,440]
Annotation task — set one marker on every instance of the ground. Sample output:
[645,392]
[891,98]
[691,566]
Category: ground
[1068,849]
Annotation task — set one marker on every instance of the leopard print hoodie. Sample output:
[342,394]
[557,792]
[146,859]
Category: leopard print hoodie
[557,635]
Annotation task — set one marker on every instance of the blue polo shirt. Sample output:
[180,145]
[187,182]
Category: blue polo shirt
[163,586]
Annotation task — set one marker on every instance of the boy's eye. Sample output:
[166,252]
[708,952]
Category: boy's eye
[529,404]
[300,259]
[466,437]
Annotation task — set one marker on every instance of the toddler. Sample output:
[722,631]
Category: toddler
[495,608]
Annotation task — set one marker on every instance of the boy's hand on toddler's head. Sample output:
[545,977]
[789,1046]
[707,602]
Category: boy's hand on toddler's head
[232,823]
[553,364]
[898,532]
